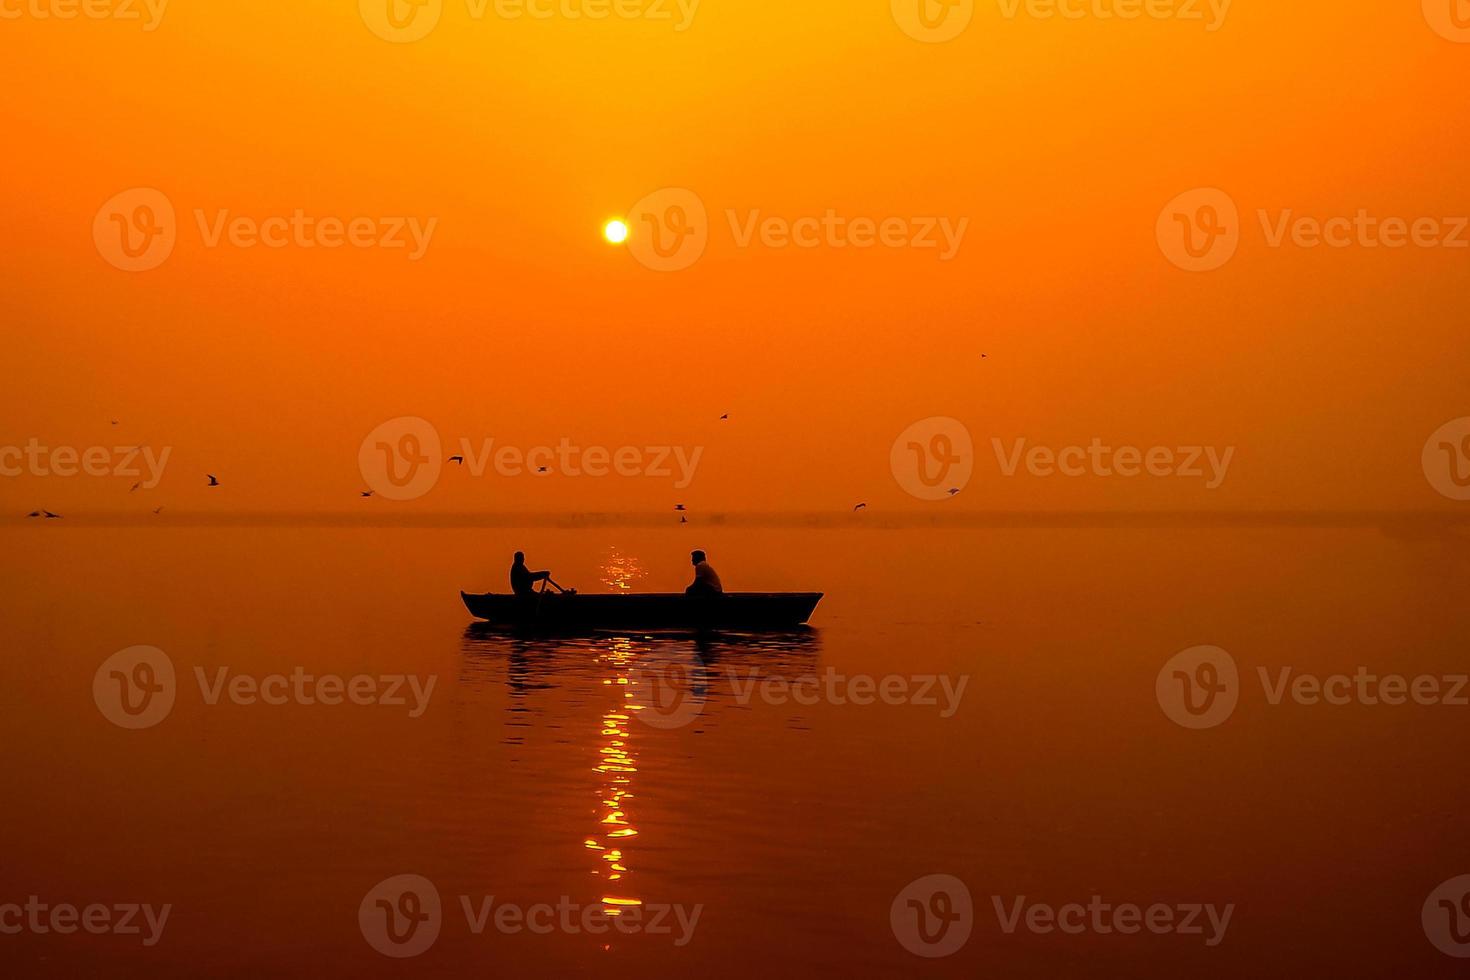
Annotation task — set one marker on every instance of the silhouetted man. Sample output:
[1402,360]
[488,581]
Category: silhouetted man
[706,582]
[522,579]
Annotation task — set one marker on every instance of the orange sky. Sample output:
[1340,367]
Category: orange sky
[1058,141]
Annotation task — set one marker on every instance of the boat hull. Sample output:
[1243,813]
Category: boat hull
[736,610]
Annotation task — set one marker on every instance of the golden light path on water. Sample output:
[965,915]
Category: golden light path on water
[617,762]
[620,572]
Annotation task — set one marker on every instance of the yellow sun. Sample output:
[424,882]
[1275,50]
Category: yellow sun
[615,231]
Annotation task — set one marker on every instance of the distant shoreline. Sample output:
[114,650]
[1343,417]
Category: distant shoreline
[795,520]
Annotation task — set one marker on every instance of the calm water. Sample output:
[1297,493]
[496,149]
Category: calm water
[695,773]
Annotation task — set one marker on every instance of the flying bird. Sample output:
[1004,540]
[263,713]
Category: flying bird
[725,417]
[683,519]
[114,421]
[158,510]
[50,516]
[34,513]
[457,459]
[953,491]
[367,493]
[859,507]
[213,480]
[134,487]
[680,507]
[542,469]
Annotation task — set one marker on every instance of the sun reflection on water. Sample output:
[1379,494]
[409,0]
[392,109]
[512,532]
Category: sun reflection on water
[621,572]
[617,764]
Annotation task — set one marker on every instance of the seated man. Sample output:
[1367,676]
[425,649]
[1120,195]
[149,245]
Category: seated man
[706,582]
[522,579]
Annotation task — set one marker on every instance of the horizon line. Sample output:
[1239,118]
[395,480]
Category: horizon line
[816,520]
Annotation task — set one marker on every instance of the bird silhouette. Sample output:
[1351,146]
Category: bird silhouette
[158,510]
[50,516]
[725,417]
[683,519]
[457,459]
[134,487]
[542,469]
[213,480]
[367,493]
[34,513]
[859,507]
[114,421]
[953,491]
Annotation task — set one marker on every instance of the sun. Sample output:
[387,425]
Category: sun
[615,231]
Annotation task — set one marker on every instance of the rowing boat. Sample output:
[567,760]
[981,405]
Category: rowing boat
[733,610]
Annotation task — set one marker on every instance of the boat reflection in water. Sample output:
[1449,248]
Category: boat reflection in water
[648,682]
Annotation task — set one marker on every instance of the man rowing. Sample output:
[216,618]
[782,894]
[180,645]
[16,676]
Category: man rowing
[522,579]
